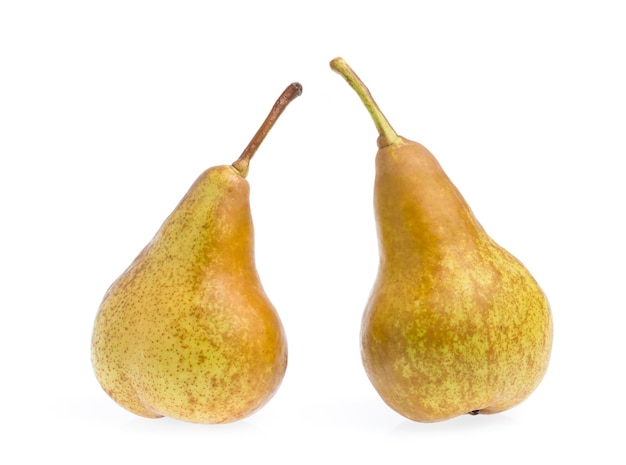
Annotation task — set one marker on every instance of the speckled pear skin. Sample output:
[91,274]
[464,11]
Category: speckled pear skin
[187,330]
[454,324]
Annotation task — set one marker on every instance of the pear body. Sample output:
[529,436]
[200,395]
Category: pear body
[187,330]
[454,324]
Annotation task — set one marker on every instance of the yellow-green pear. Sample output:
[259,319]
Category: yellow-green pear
[187,330]
[454,324]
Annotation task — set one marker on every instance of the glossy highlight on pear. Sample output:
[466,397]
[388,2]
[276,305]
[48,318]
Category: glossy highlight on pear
[454,323]
[187,330]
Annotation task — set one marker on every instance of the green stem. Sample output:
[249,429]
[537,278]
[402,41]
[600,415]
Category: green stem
[289,94]
[386,132]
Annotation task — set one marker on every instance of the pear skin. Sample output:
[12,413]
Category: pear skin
[454,323]
[187,330]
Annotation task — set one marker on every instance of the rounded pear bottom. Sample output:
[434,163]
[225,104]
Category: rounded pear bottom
[235,409]
[202,398]
[426,414]
[451,329]
[429,364]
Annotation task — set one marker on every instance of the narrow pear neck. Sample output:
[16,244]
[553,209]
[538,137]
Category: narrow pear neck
[213,218]
[418,209]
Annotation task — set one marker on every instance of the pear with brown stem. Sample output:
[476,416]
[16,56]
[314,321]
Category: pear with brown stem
[454,324]
[187,330]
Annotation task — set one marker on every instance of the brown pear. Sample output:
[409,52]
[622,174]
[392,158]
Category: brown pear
[187,330]
[454,324]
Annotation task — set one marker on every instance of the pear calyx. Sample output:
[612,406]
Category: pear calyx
[289,94]
[387,135]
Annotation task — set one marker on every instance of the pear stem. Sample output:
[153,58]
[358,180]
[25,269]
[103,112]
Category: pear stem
[289,94]
[387,134]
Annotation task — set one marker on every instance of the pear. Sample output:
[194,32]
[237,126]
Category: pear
[187,330]
[454,323]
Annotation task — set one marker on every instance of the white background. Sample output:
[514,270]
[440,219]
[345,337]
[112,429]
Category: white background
[109,111]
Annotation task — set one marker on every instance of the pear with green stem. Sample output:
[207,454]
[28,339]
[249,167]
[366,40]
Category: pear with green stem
[187,330]
[454,323]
